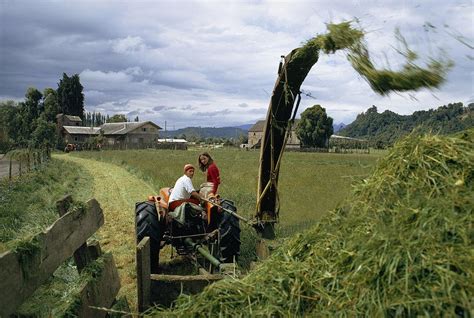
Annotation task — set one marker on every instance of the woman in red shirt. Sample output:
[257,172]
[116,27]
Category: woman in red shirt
[206,163]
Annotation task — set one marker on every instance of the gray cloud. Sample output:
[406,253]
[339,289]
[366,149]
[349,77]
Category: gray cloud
[188,107]
[219,60]
[159,108]
[212,114]
[133,113]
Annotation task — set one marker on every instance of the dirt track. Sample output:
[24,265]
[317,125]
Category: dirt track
[117,191]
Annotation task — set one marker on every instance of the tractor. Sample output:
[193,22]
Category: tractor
[216,224]
[210,230]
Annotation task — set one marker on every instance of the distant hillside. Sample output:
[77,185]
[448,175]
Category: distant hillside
[338,127]
[245,127]
[191,133]
[383,129]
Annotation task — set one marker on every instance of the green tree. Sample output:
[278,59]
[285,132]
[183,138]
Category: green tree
[314,127]
[32,104]
[117,118]
[50,105]
[11,119]
[243,139]
[70,96]
[44,134]
[8,110]
[25,120]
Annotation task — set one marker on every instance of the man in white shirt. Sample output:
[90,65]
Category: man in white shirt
[183,190]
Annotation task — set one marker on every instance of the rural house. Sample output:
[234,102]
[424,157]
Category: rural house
[335,143]
[130,133]
[77,135]
[121,135]
[255,134]
[68,120]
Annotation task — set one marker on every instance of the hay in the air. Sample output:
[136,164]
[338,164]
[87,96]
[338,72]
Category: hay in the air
[401,246]
[410,77]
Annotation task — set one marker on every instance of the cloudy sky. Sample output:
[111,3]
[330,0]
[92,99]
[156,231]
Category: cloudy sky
[214,63]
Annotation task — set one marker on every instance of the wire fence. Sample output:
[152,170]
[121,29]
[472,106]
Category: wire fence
[18,162]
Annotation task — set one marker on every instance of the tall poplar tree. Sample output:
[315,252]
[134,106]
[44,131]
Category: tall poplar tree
[70,96]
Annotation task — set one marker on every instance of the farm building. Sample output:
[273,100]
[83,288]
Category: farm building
[78,135]
[255,134]
[336,143]
[130,133]
[68,120]
[116,135]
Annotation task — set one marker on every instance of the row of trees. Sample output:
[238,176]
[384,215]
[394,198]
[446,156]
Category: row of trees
[383,129]
[32,122]
[97,119]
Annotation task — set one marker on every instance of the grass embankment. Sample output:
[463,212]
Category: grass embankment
[27,207]
[117,191]
[28,204]
[402,246]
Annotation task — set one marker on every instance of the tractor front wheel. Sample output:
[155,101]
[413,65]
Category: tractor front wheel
[147,224]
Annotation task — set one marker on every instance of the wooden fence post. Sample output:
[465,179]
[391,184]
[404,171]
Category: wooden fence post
[19,278]
[10,170]
[143,274]
[81,255]
[35,161]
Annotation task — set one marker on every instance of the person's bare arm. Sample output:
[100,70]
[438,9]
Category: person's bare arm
[196,195]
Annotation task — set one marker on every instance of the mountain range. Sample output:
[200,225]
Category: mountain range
[217,132]
[382,129]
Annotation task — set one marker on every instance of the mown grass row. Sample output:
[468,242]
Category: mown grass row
[401,246]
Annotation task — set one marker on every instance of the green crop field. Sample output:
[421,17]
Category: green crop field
[310,183]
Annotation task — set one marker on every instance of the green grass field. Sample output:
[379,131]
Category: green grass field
[310,183]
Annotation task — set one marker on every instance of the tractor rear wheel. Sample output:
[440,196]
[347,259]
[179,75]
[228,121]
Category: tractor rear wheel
[147,224]
[229,234]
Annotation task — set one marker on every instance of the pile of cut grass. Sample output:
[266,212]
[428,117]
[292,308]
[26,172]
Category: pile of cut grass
[402,246]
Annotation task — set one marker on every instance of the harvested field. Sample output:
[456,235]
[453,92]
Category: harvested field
[401,246]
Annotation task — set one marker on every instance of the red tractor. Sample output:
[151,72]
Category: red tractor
[69,148]
[210,229]
[217,225]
